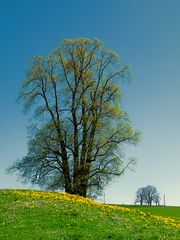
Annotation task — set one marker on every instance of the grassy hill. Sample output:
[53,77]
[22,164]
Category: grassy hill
[35,215]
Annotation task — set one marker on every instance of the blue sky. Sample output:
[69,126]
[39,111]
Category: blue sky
[146,34]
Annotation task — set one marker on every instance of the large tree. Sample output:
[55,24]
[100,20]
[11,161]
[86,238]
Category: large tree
[79,127]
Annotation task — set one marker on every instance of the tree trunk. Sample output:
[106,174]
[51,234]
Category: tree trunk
[66,173]
[81,184]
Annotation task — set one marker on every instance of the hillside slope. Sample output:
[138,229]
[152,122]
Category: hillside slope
[35,215]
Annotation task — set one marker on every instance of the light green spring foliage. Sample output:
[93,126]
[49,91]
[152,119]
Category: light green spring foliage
[75,95]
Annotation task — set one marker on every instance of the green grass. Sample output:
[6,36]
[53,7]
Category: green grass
[35,215]
[165,211]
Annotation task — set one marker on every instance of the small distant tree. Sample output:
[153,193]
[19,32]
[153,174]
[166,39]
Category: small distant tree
[157,199]
[140,196]
[147,195]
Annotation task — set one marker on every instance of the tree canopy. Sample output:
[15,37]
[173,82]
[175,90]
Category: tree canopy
[78,126]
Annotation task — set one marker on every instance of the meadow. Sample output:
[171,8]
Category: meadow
[41,215]
[165,211]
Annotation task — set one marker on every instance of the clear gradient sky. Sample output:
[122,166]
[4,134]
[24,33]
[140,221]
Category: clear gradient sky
[146,34]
